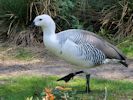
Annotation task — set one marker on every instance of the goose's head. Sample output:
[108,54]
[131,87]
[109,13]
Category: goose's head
[44,21]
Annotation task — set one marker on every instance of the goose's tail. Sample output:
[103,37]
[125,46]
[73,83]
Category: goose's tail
[123,62]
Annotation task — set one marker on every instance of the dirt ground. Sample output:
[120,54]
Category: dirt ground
[55,66]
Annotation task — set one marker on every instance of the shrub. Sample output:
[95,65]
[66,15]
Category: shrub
[109,18]
[118,19]
[16,15]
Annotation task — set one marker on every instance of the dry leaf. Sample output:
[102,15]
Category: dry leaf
[63,88]
[49,95]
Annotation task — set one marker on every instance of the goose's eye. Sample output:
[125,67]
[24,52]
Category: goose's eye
[40,19]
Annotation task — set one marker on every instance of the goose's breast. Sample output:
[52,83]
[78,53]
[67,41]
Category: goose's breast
[52,45]
[72,54]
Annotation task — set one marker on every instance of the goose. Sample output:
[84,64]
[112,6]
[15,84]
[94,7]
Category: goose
[79,47]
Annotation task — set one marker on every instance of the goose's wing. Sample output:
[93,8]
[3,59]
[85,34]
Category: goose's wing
[78,50]
[108,49]
[85,37]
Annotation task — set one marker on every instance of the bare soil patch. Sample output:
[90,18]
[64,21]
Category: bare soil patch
[50,65]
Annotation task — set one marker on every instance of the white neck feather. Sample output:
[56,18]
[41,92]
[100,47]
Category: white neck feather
[49,29]
[49,35]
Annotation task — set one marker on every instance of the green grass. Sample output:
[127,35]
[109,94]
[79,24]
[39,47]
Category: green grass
[19,88]
[17,53]
[23,54]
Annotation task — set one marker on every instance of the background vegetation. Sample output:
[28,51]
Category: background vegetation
[111,19]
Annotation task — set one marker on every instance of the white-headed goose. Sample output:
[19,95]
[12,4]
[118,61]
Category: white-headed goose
[79,47]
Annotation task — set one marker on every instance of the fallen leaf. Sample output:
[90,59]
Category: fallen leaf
[49,95]
[63,88]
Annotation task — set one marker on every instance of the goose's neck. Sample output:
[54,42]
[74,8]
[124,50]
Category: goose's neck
[49,33]
[50,38]
[49,30]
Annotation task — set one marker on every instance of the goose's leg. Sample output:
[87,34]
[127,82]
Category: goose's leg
[70,76]
[88,83]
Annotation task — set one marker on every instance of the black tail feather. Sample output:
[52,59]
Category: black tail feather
[124,63]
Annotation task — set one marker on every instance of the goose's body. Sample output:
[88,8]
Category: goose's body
[79,47]
[75,47]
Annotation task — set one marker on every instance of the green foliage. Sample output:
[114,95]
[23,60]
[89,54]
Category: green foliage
[114,16]
[105,33]
[13,14]
[64,7]
[27,87]
[118,19]
[66,14]
[17,15]
[17,9]
[23,10]
[99,5]
[13,17]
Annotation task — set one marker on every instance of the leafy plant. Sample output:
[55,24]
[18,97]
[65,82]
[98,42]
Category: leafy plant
[118,19]
[114,16]
[15,17]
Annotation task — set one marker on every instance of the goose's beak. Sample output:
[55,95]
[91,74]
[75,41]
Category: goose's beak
[32,25]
